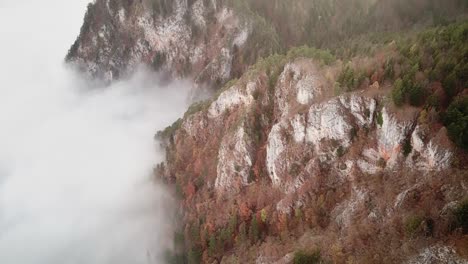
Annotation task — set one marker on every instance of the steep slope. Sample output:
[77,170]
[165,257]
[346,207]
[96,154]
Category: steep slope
[199,39]
[271,166]
[213,41]
[345,155]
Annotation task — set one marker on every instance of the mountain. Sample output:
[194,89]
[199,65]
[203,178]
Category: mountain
[215,41]
[337,132]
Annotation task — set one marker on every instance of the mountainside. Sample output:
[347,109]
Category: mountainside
[272,165]
[353,151]
[213,41]
[199,39]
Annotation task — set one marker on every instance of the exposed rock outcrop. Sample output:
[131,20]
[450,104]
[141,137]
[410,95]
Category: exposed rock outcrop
[200,39]
[280,159]
[297,150]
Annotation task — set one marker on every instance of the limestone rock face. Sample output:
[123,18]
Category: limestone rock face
[296,150]
[437,254]
[234,162]
[197,39]
[279,152]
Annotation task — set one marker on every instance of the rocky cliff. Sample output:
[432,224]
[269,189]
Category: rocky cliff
[202,39]
[341,156]
[213,41]
[302,168]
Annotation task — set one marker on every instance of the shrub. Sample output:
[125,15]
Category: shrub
[324,56]
[380,118]
[298,213]
[398,95]
[416,95]
[456,120]
[233,224]
[197,107]
[347,78]
[295,169]
[264,215]
[407,148]
[449,84]
[253,230]
[162,7]
[382,163]
[212,245]
[389,72]
[412,224]
[159,60]
[174,258]
[461,216]
[302,257]
[179,191]
[340,151]
[242,233]
[169,131]
[194,255]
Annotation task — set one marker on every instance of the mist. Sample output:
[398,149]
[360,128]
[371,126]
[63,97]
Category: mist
[76,161]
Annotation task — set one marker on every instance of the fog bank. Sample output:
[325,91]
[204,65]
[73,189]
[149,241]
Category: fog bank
[75,162]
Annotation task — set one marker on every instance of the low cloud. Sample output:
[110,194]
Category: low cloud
[75,161]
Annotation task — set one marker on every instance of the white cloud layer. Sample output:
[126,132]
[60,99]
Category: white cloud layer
[75,162]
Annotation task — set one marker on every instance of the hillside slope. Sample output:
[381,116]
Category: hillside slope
[213,41]
[350,152]
[275,165]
